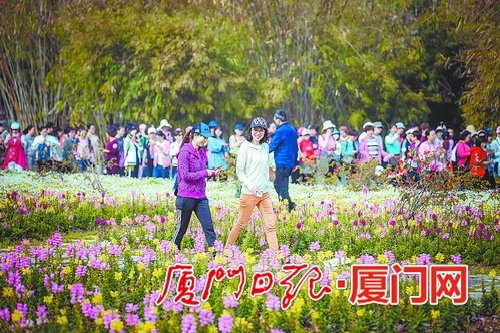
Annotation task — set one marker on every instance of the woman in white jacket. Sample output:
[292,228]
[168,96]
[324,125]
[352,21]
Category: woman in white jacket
[253,167]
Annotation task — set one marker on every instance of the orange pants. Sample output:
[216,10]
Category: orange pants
[265,206]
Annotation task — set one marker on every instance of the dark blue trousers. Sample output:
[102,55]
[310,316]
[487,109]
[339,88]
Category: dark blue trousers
[185,208]
[281,185]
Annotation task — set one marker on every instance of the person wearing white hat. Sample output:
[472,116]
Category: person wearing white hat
[363,134]
[165,128]
[327,146]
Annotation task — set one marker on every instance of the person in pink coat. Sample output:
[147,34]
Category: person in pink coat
[370,147]
[15,157]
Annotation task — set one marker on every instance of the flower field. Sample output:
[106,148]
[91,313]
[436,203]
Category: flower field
[80,259]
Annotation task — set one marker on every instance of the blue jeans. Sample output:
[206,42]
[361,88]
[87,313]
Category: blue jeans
[281,185]
[160,172]
[185,208]
[83,164]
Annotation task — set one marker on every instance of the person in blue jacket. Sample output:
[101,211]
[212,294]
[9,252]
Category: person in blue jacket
[285,148]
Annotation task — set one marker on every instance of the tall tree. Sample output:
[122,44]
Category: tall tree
[28,51]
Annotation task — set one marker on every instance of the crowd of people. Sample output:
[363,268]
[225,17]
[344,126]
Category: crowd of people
[140,150]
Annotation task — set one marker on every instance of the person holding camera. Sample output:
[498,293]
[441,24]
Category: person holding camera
[191,184]
[253,165]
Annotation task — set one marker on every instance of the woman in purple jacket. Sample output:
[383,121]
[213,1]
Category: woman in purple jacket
[191,178]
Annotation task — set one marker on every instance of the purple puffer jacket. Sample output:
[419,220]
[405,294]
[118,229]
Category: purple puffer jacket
[192,172]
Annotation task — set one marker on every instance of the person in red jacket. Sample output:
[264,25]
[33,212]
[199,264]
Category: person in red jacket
[479,160]
[307,156]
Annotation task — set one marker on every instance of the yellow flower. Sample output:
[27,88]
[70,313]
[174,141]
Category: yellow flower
[220,260]
[114,294]
[157,272]
[118,276]
[242,323]
[16,315]
[97,299]
[207,306]
[315,315]
[297,305]
[439,257]
[435,314]
[131,275]
[48,299]
[492,273]
[381,259]
[116,325]
[62,320]
[145,327]
[360,312]
[140,266]
[67,270]
[99,321]
[410,290]
[8,292]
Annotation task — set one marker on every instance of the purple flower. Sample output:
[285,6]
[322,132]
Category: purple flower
[298,225]
[367,259]
[392,223]
[390,256]
[424,259]
[90,311]
[188,323]
[77,293]
[130,307]
[456,259]
[206,317]
[55,240]
[273,302]
[41,315]
[335,223]
[275,330]
[230,302]
[115,250]
[225,323]
[131,319]
[80,271]
[57,288]
[446,236]
[339,254]
[5,314]
[426,232]
[285,250]
[437,230]
[314,246]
